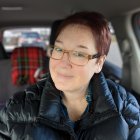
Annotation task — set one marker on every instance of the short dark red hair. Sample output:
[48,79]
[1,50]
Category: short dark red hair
[98,25]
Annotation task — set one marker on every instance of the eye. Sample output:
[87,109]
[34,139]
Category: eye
[79,54]
[58,49]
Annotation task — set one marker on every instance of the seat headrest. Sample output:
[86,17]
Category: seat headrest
[26,61]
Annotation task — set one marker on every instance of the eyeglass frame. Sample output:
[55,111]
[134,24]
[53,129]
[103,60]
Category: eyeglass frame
[89,57]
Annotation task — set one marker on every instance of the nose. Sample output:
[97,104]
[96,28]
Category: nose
[65,59]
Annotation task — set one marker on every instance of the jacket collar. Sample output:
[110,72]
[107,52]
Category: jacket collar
[51,100]
[102,96]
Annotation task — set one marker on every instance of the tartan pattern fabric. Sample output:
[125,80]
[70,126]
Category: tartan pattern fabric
[25,62]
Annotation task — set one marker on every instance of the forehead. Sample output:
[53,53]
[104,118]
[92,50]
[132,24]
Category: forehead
[75,35]
[76,29]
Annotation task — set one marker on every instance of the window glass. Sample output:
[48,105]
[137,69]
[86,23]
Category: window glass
[19,37]
[114,55]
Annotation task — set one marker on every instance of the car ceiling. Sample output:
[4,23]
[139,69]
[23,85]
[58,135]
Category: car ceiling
[49,10]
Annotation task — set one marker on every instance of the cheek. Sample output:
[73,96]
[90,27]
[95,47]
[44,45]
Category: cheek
[84,74]
[89,71]
[52,66]
[53,63]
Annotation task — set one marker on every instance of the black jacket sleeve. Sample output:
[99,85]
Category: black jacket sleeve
[129,108]
[4,134]
[131,114]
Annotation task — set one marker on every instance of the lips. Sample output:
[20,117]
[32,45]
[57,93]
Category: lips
[64,76]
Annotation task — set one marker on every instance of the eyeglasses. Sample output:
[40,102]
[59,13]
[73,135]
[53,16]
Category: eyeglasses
[75,57]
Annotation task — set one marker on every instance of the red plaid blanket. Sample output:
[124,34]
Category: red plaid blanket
[27,62]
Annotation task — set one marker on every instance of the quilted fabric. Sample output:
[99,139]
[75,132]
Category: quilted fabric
[28,63]
[37,114]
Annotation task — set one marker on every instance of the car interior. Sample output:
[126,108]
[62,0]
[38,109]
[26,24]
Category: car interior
[23,65]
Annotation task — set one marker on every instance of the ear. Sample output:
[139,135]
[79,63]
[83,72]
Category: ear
[100,63]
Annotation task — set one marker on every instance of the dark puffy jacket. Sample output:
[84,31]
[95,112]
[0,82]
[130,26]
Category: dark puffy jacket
[35,114]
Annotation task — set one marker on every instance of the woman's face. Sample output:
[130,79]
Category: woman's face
[68,77]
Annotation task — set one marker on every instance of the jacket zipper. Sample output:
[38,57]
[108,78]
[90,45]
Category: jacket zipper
[62,126]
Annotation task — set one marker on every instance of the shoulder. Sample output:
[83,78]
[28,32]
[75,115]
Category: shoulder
[23,106]
[126,103]
[118,91]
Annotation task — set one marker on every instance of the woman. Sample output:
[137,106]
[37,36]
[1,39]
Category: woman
[75,101]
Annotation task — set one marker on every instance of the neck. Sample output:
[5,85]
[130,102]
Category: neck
[76,103]
[74,96]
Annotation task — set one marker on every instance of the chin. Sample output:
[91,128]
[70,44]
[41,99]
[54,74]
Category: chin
[61,86]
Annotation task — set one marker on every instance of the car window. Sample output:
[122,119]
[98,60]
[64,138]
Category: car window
[30,35]
[18,37]
[114,55]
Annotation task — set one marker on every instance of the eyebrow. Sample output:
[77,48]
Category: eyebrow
[81,46]
[58,41]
